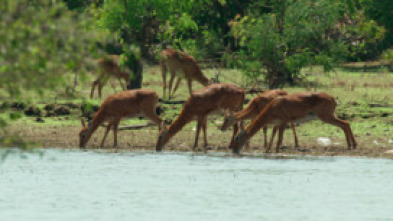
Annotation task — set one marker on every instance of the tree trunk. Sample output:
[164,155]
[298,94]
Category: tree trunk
[137,77]
[276,78]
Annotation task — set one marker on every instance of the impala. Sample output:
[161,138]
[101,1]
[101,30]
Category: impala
[301,106]
[131,103]
[209,100]
[109,68]
[255,106]
[180,65]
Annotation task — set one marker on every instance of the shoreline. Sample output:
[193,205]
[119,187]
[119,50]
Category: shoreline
[144,141]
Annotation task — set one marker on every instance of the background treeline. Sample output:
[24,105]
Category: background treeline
[44,42]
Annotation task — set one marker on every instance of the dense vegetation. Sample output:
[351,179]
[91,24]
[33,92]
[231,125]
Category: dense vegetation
[43,41]
[49,45]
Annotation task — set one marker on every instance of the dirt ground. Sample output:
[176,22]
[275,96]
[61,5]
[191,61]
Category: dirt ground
[145,139]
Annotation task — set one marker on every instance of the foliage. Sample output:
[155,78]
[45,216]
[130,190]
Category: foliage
[143,22]
[382,12]
[41,42]
[296,34]
[199,27]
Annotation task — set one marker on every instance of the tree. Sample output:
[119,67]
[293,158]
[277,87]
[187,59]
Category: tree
[144,22]
[292,35]
[42,43]
[382,12]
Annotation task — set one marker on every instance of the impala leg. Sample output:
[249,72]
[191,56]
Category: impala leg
[344,125]
[108,127]
[204,127]
[121,84]
[127,80]
[100,85]
[265,136]
[248,143]
[176,86]
[113,86]
[170,84]
[163,74]
[354,144]
[271,139]
[150,114]
[281,130]
[93,87]
[115,127]
[163,87]
[235,130]
[199,125]
[189,82]
[294,135]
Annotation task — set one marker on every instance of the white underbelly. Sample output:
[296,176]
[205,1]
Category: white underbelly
[305,119]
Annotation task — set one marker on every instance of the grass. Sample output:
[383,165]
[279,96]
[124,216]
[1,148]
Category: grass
[365,100]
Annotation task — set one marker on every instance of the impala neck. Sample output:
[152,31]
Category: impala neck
[184,118]
[260,121]
[201,78]
[98,119]
[245,114]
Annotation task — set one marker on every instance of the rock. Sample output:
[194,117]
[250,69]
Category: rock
[33,111]
[390,141]
[389,151]
[18,105]
[61,111]
[49,107]
[39,120]
[324,141]
[385,114]
[71,105]
[375,142]
[49,114]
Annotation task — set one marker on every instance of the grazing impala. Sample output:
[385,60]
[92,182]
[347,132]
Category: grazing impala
[211,99]
[180,65]
[109,67]
[131,103]
[255,106]
[295,107]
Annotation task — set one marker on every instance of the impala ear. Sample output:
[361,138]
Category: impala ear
[83,123]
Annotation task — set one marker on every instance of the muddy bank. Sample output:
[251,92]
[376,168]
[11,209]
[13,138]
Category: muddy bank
[144,139]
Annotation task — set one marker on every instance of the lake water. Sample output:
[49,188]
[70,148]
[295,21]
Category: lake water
[89,185]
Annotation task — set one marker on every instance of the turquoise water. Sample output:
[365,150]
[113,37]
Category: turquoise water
[87,185]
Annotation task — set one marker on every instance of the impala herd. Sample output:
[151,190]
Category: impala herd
[274,108]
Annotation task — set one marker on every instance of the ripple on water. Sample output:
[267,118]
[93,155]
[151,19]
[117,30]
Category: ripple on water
[97,185]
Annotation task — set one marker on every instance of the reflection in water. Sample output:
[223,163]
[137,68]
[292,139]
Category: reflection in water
[75,185]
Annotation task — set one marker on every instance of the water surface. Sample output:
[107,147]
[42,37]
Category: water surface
[87,185]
